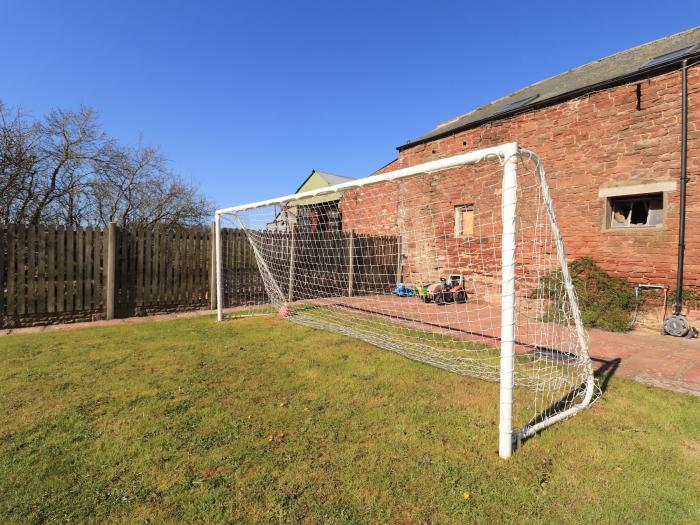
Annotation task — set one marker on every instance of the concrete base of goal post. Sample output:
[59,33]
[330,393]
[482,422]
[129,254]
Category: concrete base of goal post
[507,379]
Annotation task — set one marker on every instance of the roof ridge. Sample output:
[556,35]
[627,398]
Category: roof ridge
[329,173]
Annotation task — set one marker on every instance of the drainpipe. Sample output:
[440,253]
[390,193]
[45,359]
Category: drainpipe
[677,324]
[684,182]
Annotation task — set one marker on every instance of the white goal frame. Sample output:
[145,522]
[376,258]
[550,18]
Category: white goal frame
[508,155]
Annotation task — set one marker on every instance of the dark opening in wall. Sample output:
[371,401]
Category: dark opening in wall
[636,211]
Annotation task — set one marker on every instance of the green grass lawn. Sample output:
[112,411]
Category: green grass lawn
[259,420]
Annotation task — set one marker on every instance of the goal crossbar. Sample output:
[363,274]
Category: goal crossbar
[508,155]
[501,152]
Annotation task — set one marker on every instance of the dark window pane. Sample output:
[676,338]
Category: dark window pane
[621,211]
[640,212]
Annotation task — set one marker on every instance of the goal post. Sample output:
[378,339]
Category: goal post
[484,287]
[219,268]
[508,247]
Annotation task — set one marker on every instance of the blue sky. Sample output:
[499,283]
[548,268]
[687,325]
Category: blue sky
[245,98]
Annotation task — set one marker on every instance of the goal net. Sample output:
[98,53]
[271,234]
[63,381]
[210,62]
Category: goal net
[457,263]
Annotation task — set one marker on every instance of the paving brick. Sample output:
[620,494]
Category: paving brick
[693,374]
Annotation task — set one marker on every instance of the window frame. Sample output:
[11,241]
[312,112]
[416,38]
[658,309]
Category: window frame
[612,200]
[459,210]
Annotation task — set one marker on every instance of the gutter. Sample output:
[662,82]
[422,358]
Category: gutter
[640,74]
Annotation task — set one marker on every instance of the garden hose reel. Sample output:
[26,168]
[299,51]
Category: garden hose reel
[678,325]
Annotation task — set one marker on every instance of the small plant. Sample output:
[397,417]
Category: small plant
[605,302]
[689,298]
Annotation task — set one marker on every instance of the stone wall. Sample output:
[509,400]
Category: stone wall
[596,142]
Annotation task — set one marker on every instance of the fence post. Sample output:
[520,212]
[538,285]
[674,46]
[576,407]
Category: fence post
[351,262]
[3,237]
[212,266]
[290,297]
[111,281]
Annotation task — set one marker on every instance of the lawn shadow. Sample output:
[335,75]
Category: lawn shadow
[605,371]
[603,374]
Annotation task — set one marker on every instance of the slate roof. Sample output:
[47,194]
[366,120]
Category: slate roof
[329,178]
[625,66]
[332,178]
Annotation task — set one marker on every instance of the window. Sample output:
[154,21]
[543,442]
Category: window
[667,57]
[464,220]
[636,211]
[520,103]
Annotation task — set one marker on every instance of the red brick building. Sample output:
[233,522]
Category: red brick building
[609,135]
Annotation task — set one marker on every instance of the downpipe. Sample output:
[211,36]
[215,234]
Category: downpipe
[678,324]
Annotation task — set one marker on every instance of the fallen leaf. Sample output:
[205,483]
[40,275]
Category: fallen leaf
[618,469]
[467,495]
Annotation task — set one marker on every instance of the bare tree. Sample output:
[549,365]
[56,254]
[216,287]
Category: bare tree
[18,163]
[71,143]
[64,169]
[134,187]
[44,164]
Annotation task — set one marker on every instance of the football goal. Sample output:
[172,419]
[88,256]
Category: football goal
[457,262]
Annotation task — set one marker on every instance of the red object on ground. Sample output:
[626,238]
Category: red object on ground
[285,311]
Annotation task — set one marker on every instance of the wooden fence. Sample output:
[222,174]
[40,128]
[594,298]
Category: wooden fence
[52,274]
[49,272]
[358,264]
[161,270]
[242,284]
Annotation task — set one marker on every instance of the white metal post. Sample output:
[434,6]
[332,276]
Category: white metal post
[509,203]
[219,281]
[427,167]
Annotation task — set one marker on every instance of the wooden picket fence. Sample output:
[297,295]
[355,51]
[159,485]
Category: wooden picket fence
[242,284]
[359,263]
[51,274]
[160,269]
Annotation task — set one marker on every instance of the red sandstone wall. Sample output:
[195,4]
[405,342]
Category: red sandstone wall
[597,141]
[420,210]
